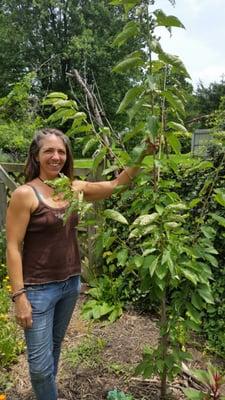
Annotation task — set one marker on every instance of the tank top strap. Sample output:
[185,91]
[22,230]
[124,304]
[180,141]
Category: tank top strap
[38,195]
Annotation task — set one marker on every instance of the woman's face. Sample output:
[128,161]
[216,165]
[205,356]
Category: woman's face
[51,156]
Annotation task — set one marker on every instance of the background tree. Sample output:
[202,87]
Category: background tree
[52,37]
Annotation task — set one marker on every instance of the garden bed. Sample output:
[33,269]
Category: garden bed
[105,361]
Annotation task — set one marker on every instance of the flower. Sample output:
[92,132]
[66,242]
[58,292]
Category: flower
[2,397]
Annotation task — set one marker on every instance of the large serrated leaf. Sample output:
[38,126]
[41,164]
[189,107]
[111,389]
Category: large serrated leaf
[129,97]
[115,215]
[167,20]
[174,101]
[130,30]
[175,61]
[128,63]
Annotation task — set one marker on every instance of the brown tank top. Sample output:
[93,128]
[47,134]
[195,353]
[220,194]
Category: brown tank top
[50,249]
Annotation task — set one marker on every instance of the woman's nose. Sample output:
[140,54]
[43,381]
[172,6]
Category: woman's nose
[55,155]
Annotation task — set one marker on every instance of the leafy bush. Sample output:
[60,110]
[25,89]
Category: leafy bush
[11,344]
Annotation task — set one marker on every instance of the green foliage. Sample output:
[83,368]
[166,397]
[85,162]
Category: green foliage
[107,299]
[66,36]
[11,344]
[87,353]
[18,119]
[118,395]
[75,200]
[212,382]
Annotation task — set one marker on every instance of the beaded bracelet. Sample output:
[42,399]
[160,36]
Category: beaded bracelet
[18,293]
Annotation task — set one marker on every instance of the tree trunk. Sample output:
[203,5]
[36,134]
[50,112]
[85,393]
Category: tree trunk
[164,344]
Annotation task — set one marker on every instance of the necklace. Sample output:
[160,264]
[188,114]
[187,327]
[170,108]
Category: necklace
[44,181]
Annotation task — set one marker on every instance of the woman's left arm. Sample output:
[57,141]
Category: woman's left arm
[101,190]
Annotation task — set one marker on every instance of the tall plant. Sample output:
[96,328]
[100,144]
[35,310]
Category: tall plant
[169,255]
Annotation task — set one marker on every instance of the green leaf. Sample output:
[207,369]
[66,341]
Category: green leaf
[128,4]
[92,142]
[129,97]
[153,126]
[133,60]
[212,260]
[115,215]
[220,198]
[174,142]
[152,263]
[175,62]
[116,313]
[99,158]
[191,276]
[194,202]
[161,270]
[155,46]
[133,111]
[219,219]
[131,29]
[167,20]
[196,300]
[122,256]
[138,260]
[57,95]
[193,314]
[193,394]
[146,219]
[61,114]
[176,127]
[174,101]
[206,294]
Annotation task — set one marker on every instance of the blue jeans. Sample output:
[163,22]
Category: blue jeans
[52,308]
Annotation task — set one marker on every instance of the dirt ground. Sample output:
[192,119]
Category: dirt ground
[113,368]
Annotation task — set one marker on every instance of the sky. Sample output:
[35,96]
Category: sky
[201,45]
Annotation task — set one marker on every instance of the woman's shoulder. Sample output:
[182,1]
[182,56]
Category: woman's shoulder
[23,194]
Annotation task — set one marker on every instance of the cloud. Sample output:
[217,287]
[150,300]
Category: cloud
[207,75]
[200,46]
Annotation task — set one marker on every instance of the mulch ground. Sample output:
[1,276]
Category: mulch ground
[123,343]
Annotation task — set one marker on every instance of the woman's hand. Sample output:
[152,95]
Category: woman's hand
[23,311]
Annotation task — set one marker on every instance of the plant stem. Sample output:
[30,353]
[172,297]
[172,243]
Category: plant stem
[164,345]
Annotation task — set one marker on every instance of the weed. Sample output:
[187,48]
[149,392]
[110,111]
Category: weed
[87,353]
[121,369]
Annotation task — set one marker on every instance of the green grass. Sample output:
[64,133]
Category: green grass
[83,163]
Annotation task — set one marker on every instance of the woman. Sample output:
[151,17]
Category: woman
[42,253]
